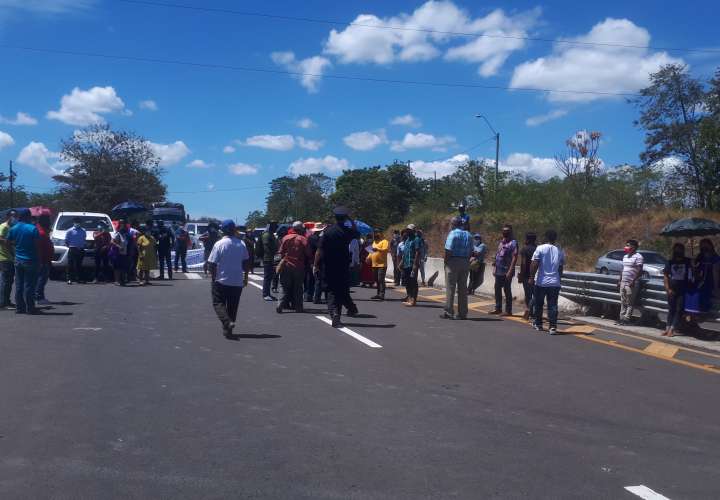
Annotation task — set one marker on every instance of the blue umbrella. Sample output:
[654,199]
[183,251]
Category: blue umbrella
[129,207]
[362,227]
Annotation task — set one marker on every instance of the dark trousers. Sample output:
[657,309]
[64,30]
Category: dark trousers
[165,259]
[25,281]
[7,276]
[397,273]
[102,266]
[503,284]
[292,283]
[676,307]
[268,275]
[317,292]
[309,284]
[225,300]
[338,291]
[411,283]
[551,293]
[379,274]
[529,292]
[476,278]
[43,276]
[181,257]
[74,266]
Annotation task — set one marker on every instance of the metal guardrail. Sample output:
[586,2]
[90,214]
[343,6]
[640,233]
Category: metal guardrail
[601,288]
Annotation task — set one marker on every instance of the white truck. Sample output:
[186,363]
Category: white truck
[89,221]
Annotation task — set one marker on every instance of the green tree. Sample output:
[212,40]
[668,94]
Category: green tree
[108,167]
[301,198]
[256,219]
[672,110]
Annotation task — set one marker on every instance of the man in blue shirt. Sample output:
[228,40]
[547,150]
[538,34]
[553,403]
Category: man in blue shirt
[25,236]
[458,249]
[412,253]
[75,241]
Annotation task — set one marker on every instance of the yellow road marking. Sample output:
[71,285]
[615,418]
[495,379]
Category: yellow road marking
[682,348]
[661,349]
[579,329]
[707,368]
[433,297]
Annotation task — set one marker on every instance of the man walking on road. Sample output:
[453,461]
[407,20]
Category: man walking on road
[458,248]
[7,261]
[547,261]
[412,254]
[629,284]
[504,270]
[267,248]
[334,252]
[25,236]
[75,241]
[229,265]
[294,256]
[394,244]
[378,259]
[165,240]
[46,250]
[526,255]
[182,240]
[477,264]
[102,250]
[208,240]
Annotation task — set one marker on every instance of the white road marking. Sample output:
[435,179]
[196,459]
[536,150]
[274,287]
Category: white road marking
[193,276]
[348,331]
[88,328]
[255,285]
[255,277]
[645,493]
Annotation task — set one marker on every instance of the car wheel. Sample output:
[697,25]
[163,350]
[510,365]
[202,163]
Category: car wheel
[604,270]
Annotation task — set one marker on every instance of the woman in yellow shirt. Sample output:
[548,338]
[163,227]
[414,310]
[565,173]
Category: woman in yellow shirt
[147,255]
[378,260]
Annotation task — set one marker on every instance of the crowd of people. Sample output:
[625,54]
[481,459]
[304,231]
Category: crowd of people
[320,263]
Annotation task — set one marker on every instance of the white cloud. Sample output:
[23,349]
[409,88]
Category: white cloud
[149,105]
[229,150]
[242,169]
[595,68]
[423,141]
[274,142]
[210,186]
[6,140]
[426,33]
[199,164]
[406,121]
[428,169]
[306,123]
[309,71]
[328,164]
[48,6]
[37,156]
[309,144]
[534,121]
[365,141]
[20,119]
[529,165]
[85,107]
[170,154]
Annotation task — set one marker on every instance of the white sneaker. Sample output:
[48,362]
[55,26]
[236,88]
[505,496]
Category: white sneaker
[553,331]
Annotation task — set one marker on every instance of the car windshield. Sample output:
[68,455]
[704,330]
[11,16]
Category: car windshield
[87,222]
[201,229]
[653,258]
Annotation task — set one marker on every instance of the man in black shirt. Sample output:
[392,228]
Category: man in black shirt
[526,255]
[334,252]
[165,241]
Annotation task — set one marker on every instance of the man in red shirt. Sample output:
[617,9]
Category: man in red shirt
[102,253]
[294,256]
[46,251]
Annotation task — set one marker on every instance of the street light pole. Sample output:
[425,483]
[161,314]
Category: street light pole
[497,148]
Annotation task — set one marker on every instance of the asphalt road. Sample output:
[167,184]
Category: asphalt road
[133,393]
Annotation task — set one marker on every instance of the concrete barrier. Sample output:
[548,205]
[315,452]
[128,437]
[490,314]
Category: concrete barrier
[488,287]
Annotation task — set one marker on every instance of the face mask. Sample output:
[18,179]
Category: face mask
[627,249]
[76,226]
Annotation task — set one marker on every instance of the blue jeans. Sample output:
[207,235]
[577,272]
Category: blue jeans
[7,276]
[25,281]
[268,275]
[551,293]
[42,279]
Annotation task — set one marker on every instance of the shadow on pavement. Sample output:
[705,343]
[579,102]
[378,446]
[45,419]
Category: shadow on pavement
[254,336]
[481,319]
[64,303]
[368,325]
[365,316]
[45,313]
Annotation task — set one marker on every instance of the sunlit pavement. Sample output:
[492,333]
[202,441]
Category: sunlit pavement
[134,393]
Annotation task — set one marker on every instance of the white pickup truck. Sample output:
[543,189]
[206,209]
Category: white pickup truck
[89,221]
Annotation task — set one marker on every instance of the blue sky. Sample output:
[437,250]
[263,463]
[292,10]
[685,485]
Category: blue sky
[219,129]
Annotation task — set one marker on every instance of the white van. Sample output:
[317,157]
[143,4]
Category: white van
[89,221]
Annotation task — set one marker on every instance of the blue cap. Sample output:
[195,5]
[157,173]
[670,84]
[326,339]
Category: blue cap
[23,212]
[227,226]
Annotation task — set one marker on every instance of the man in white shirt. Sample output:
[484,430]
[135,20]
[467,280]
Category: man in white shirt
[629,284]
[229,264]
[547,261]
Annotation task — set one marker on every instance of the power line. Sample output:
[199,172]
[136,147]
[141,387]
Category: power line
[406,28]
[445,158]
[251,69]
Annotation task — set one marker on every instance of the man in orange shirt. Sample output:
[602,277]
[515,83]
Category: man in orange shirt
[294,256]
[378,259]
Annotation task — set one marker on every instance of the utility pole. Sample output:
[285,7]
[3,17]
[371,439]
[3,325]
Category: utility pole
[12,190]
[497,150]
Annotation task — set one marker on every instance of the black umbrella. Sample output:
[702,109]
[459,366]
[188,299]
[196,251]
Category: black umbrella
[129,207]
[690,228]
